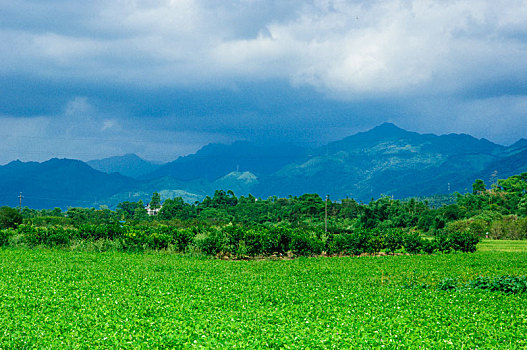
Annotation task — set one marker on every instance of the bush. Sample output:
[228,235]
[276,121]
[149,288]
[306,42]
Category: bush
[158,240]
[442,242]
[9,218]
[31,235]
[375,242]
[253,241]
[305,243]
[87,231]
[4,237]
[276,240]
[428,246]
[134,238]
[57,236]
[510,227]
[393,240]
[109,231]
[506,284]
[465,241]
[50,236]
[447,284]
[340,243]
[413,243]
[210,242]
[181,238]
[357,242]
[50,221]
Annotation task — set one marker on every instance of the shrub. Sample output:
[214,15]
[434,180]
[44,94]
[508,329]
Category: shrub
[442,242]
[158,240]
[429,246]
[4,237]
[447,284]
[465,241]
[181,238]
[510,227]
[413,243]
[375,242]
[393,240]
[506,283]
[134,238]
[9,218]
[50,236]
[357,242]
[210,242]
[232,235]
[305,243]
[276,240]
[109,231]
[51,221]
[31,235]
[340,243]
[87,231]
[57,236]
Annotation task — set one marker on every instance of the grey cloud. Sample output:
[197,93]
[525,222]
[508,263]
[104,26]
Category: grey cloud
[343,48]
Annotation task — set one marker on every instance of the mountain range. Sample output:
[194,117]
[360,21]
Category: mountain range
[384,160]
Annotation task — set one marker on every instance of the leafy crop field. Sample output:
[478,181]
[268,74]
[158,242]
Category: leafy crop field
[68,299]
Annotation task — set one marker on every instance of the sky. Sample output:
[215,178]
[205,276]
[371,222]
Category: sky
[93,79]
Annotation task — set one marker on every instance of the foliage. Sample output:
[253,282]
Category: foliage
[509,227]
[505,283]
[5,235]
[464,241]
[50,236]
[413,243]
[9,217]
[56,299]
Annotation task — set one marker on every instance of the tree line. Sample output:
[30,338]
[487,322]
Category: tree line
[497,212]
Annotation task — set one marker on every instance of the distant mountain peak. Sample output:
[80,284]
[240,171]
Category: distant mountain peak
[129,164]
[388,129]
[521,143]
[388,126]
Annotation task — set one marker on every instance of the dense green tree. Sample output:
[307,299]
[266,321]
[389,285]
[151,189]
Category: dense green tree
[127,209]
[9,217]
[155,202]
[79,215]
[176,209]
[478,186]
[140,214]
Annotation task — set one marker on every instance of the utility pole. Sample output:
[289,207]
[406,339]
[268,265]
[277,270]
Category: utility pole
[20,201]
[326,215]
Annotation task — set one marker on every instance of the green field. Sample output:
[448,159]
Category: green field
[66,299]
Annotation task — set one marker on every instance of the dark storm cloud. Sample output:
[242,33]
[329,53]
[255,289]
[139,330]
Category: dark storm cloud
[162,78]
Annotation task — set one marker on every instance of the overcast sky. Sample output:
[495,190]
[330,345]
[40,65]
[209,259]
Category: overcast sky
[92,79]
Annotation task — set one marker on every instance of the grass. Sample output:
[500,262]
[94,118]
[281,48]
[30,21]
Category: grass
[51,299]
[502,246]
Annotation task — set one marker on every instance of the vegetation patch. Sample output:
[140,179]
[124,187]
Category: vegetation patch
[59,299]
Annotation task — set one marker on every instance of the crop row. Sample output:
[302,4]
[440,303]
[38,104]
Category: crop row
[246,241]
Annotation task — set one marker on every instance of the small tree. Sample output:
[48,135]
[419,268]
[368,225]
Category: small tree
[478,186]
[155,202]
[9,217]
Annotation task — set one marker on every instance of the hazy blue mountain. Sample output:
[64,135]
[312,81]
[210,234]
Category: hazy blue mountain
[57,183]
[129,165]
[167,187]
[216,160]
[519,145]
[386,160]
